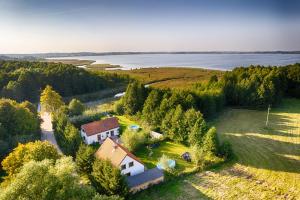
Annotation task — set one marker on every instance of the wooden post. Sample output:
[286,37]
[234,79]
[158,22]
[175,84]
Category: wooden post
[269,108]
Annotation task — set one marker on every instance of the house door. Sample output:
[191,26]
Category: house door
[99,137]
[112,133]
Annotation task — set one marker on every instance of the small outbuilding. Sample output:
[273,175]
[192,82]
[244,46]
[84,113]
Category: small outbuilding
[144,180]
[156,135]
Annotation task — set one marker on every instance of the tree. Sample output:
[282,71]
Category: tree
[24,153]
[197,132]
[85,158]
[177,129]
[149,109]
[107,179]
[76,107]
[71,139]
[132,139]
[50,100]
[225,150]
[47,180]
[134,98]
[210,142]
[197,155]
[31,107]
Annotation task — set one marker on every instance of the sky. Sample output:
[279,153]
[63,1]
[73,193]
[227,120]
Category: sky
[39,26]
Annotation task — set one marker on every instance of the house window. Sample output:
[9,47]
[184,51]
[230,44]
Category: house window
[123,167]
[131,164]
[112,133]
[127,174]
[99,137]
[83,138]
[107,134]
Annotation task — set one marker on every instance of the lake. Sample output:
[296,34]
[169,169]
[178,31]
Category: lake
[207,60]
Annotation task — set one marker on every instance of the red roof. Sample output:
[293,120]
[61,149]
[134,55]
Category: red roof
[100,126]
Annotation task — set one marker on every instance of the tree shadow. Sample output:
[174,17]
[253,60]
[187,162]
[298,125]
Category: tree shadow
[274,148]
[271,154]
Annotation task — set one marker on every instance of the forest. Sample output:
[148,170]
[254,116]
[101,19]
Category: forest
[24,80]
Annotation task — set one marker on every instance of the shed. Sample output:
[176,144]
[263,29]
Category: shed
[144,180]
[156,135]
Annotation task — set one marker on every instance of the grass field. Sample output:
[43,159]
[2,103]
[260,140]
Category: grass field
[268,159]
[170,77]
[170,149]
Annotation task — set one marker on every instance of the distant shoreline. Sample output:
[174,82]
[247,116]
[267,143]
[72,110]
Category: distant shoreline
[71,54]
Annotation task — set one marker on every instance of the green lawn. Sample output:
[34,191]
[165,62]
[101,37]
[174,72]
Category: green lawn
[268,159]
[170,149]
[125,122]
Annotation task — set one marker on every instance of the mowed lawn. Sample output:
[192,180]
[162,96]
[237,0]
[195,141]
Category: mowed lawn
[171,149]
[268,159]
[125,122]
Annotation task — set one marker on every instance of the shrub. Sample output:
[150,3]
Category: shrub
[76,107]
[226,150]
[132,140]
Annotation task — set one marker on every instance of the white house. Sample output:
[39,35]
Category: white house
[98,131]
[120,157]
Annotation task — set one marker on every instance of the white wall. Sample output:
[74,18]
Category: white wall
[94,138]
[137,167]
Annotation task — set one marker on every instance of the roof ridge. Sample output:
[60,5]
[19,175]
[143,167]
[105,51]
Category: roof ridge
[128,153]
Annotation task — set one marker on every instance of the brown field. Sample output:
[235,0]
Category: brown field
[170,77]
[75,62]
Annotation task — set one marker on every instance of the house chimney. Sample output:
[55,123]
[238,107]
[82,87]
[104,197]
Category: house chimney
[115,146]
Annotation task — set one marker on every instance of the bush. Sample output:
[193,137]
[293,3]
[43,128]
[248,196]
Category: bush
[164,161]
[119,107]
[76,107]
[226,150]
[132,140]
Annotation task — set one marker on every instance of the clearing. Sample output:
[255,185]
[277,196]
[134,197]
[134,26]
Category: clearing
[268,159]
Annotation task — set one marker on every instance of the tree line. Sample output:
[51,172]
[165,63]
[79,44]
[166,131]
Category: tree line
[24,80]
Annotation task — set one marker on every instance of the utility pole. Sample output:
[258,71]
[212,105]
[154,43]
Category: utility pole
[269,108]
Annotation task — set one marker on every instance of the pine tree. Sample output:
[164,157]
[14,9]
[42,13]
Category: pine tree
[107,179]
